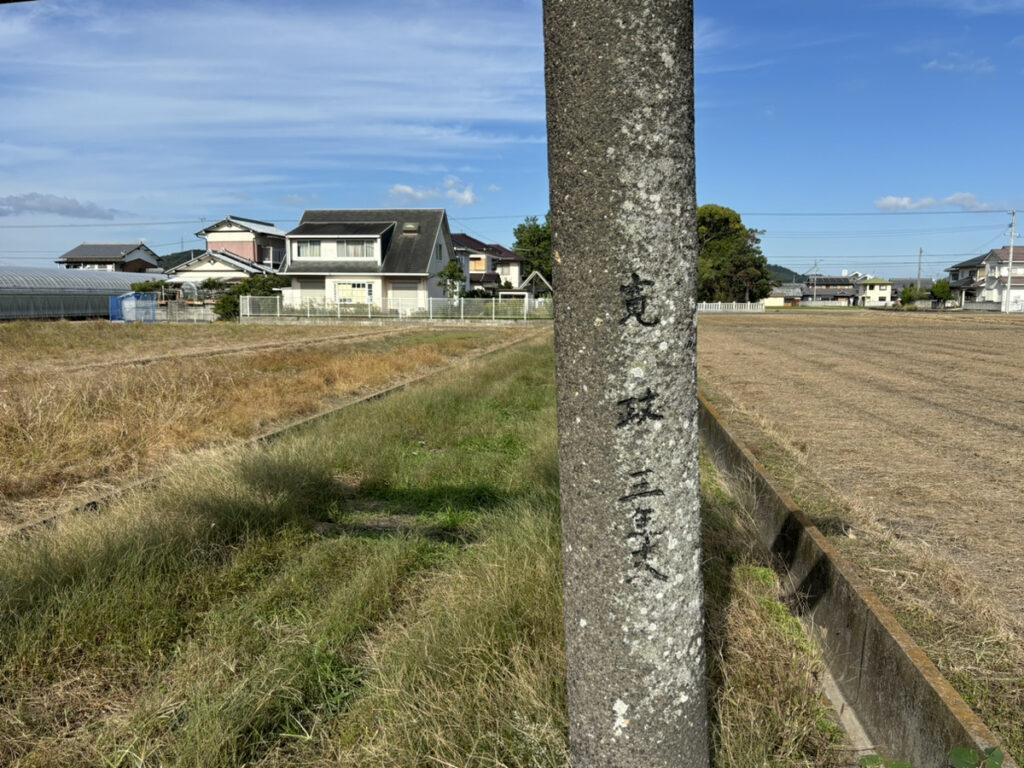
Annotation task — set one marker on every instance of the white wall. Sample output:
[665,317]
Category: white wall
[434,289]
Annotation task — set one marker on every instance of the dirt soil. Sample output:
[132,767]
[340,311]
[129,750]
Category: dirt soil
[914,420]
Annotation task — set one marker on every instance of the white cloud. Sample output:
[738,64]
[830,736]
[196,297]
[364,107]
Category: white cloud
[707,34]
[406,192]
[463,196]
[494,188]
[461,193]
[961,62]
[34,202]
[299,201]
[983,6]
[963,200]
[98,105]
[452,188]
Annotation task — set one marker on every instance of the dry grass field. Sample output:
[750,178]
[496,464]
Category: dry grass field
[379,588]
[900,433]
[87,406]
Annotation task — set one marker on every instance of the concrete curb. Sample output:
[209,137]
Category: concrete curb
[908,709]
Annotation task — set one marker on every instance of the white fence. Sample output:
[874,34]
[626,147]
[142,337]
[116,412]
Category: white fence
[730,306]
[255,308]
[993,306]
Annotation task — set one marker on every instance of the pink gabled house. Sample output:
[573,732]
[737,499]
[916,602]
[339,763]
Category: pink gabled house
[257,241]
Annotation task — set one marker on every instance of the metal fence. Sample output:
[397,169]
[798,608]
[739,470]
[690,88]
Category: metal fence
[268,307]
[730,306]
[181,311]
[148,308]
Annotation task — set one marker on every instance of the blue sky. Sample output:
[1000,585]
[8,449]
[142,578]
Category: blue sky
[126,121]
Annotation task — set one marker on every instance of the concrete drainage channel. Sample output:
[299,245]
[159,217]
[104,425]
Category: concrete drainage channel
[97,504]
[904,706]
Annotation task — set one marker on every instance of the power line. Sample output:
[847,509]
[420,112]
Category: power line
[104,224]
[873,213]
[809,234]
[482,218]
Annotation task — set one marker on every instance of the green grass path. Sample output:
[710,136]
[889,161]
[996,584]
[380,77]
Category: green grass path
[381,589]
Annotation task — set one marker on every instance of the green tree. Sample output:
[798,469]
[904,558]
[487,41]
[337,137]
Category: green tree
[941,290]
[451,278]
[226,307]
[533,243]
[730,265]
[213,284]
[909,295]
[149,286]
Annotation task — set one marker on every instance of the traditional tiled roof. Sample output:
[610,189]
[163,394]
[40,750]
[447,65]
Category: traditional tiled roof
[899,283]
[227,258]
[788,290]
[253,225]
[1003,254]
[109,253]
[975,261]
[462,241]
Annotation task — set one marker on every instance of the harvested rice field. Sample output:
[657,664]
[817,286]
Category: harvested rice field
[900,434]
[87,407]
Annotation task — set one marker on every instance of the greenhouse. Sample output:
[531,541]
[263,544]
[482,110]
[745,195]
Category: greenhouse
[27,292]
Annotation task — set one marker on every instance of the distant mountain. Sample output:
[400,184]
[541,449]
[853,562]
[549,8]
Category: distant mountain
[175,259]
[784,274]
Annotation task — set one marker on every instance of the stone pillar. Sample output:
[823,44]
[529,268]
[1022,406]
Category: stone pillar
[623,209]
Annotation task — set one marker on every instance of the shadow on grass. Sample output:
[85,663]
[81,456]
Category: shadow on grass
[286,490]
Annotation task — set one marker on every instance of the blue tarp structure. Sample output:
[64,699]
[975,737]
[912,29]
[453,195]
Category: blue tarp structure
[133,308]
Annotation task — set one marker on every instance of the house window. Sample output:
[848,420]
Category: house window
[439,250]
[308,249]
[355,249]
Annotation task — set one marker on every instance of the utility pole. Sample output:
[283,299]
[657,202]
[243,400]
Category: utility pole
[1009,270]
[814,283]
[921,257]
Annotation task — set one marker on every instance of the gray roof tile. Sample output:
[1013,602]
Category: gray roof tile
[109,252]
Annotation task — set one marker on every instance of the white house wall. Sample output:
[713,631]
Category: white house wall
[331,285]
[511,271]
[204,270]
[329,249]
[434,289]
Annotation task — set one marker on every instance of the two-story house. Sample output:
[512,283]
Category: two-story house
[256,241]
[387,258]
[999,281]
[830,289]
[508,264]
[873,292]
[482,273]
[111,257]
[967,279]
[491,266]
